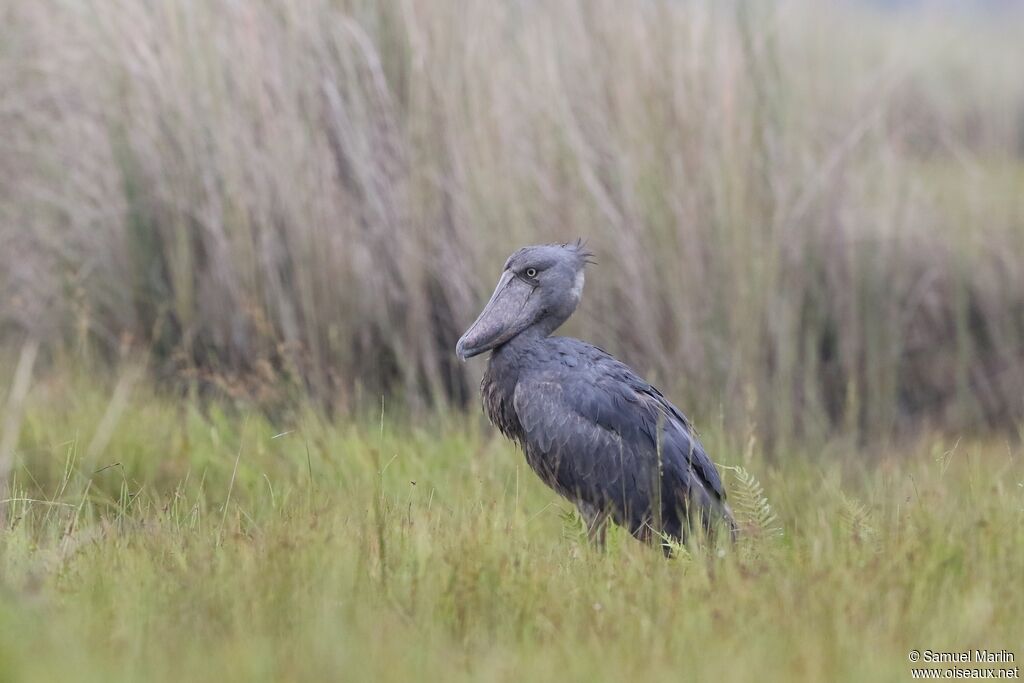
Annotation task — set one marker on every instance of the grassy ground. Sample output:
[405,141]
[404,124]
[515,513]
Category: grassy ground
[149,539]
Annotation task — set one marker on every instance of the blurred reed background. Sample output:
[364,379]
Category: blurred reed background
[808,216]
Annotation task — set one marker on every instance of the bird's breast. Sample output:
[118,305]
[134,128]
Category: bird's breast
[497,390]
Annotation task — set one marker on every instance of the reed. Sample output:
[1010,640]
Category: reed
[808,216]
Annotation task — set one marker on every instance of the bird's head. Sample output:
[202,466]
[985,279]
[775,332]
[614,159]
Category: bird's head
[539,288]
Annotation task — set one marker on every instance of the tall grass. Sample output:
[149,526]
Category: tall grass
[807,216]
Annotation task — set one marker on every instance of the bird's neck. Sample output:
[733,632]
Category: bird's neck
[533,335]
[548,323]
[506,360]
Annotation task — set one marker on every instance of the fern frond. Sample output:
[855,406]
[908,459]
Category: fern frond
[857,521]
[754,514]
[574,527]
[675,549]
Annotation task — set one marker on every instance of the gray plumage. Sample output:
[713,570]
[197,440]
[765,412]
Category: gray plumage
[591,428]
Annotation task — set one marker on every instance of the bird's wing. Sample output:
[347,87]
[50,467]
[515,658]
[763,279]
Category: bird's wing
[596,431]
[679,436]
[580,457]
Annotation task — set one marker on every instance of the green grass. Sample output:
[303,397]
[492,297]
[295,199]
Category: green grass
[219,545]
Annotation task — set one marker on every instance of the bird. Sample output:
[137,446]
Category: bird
[591,428]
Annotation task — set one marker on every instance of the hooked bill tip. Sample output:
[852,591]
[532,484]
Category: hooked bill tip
[462,352]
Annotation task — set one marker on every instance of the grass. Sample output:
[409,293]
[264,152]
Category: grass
[216,544]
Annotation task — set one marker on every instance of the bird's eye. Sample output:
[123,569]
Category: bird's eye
[531,272]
